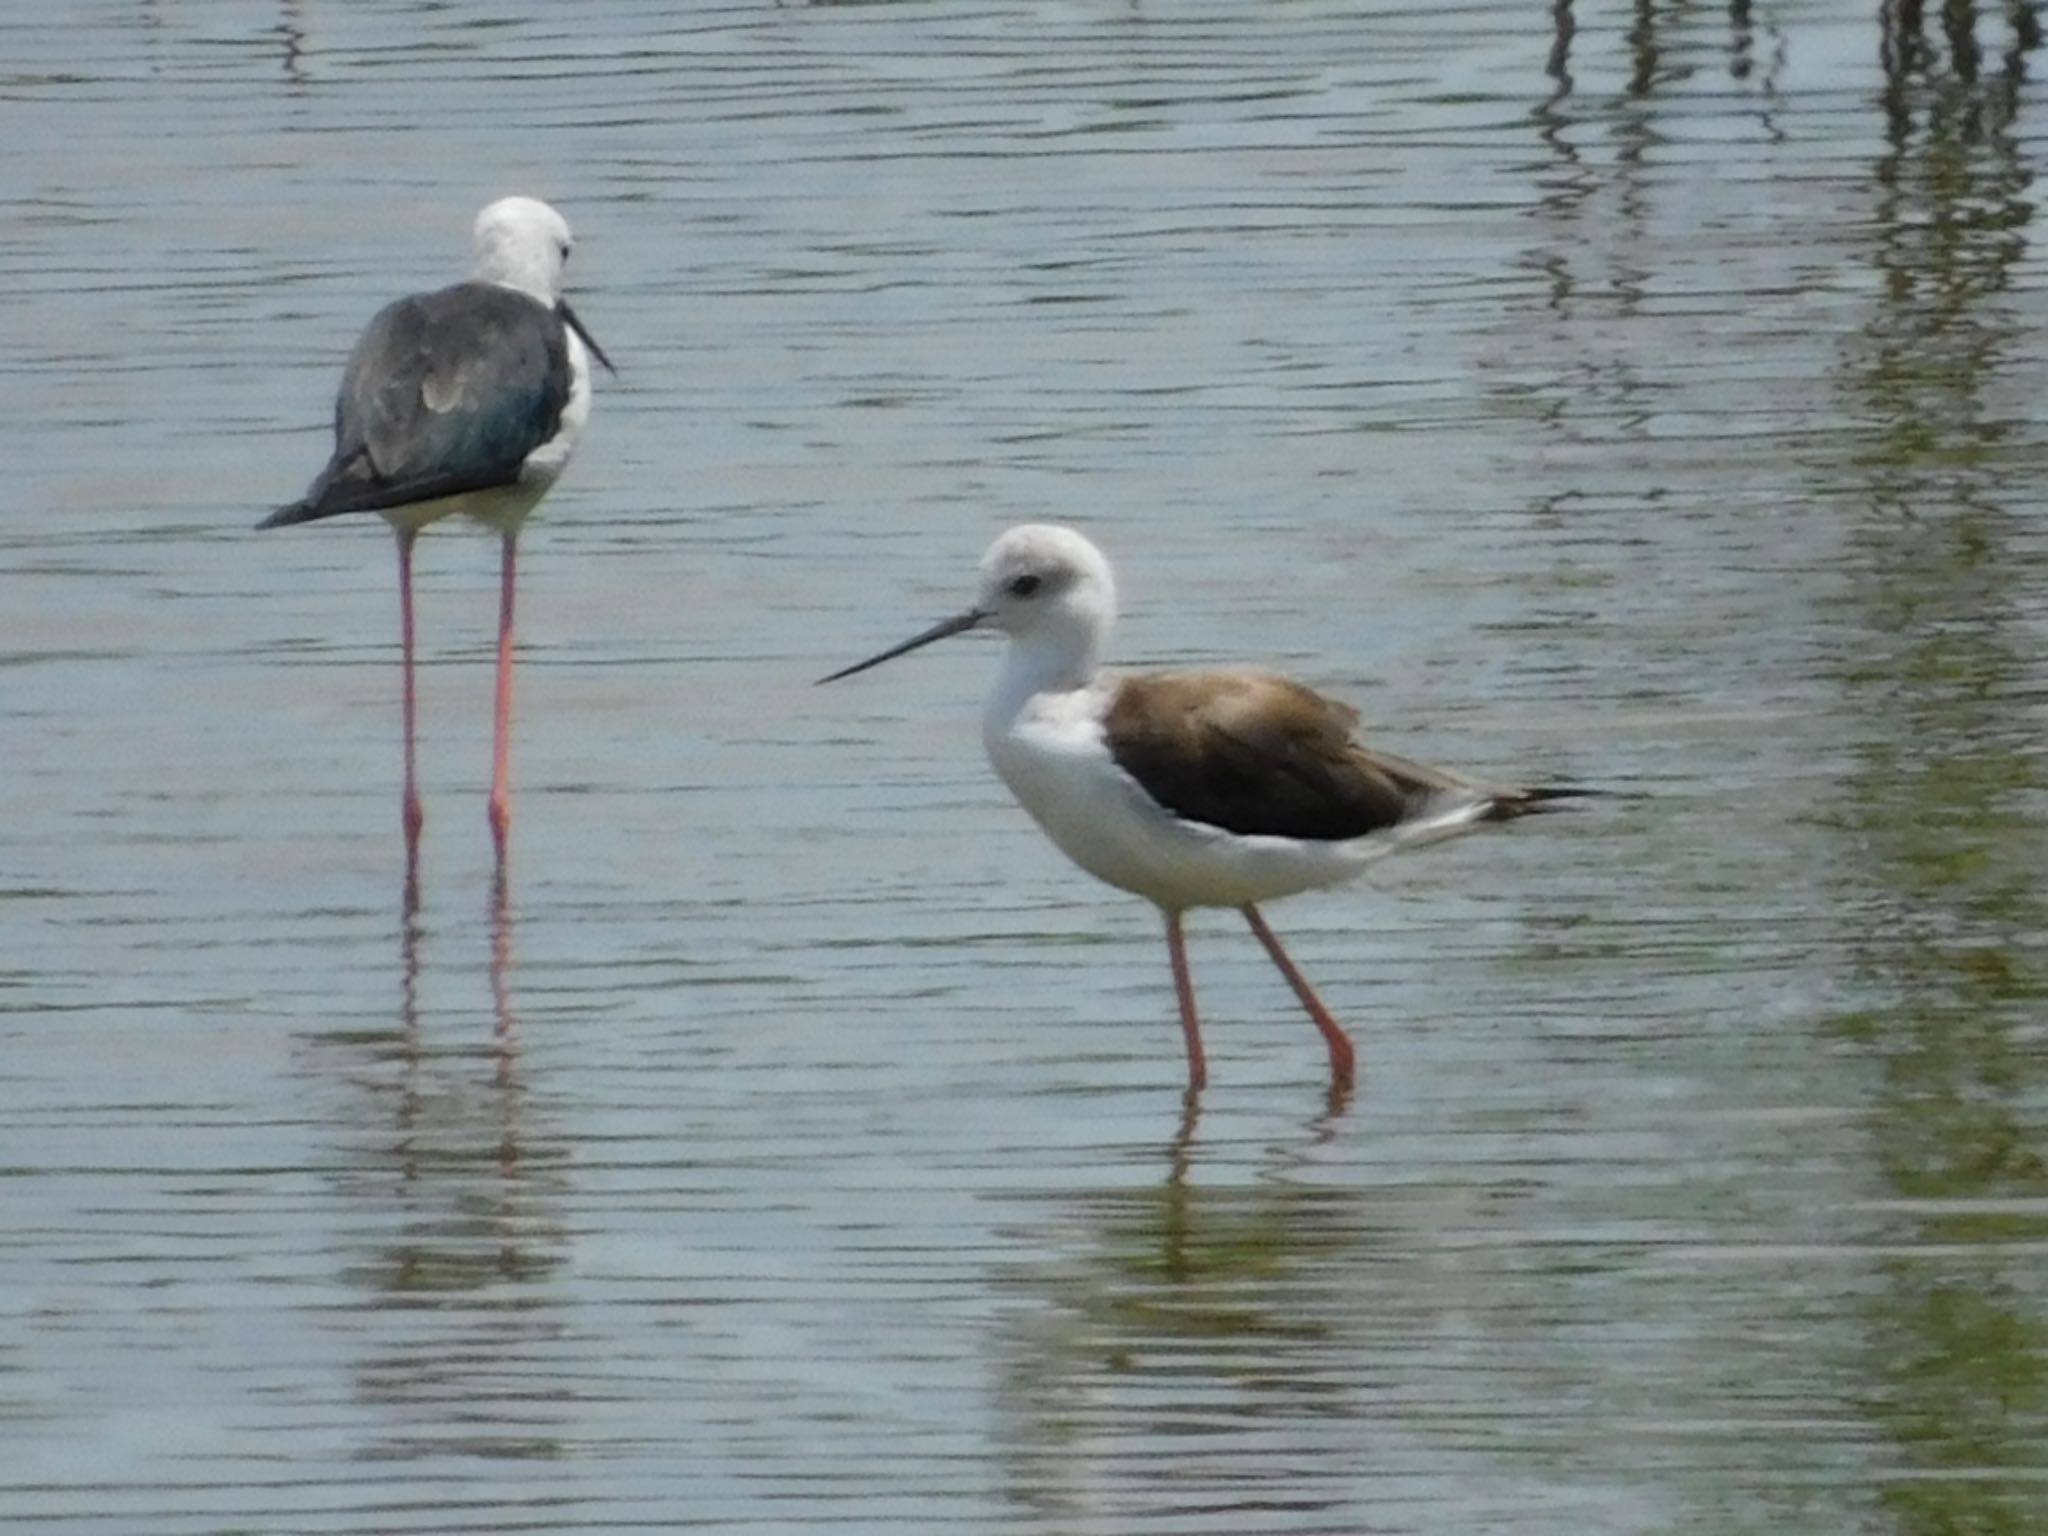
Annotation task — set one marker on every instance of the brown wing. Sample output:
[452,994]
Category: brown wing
[1256,753]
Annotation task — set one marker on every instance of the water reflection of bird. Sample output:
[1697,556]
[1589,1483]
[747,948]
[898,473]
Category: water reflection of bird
[469,399]
[1192,789]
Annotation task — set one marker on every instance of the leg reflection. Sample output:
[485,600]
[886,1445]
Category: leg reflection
[504,1026]
[1180,1155]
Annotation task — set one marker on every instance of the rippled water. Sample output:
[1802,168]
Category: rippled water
[1646,395]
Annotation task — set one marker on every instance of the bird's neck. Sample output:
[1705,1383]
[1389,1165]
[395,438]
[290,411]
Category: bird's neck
[1045,664]
[527,278]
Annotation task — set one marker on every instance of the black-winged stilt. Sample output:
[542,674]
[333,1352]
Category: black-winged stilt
[469,399]
[1192,789]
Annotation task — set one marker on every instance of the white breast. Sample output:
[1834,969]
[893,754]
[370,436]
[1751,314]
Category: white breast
[547,462]
[506,507]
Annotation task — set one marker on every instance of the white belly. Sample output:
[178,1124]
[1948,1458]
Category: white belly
[503,507]
[547,462]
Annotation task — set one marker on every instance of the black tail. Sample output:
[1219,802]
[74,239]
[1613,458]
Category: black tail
[348,484]
[297,512]
[1510,803]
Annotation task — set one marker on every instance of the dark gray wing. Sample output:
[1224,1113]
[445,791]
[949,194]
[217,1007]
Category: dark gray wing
[446,392]
[1259,754]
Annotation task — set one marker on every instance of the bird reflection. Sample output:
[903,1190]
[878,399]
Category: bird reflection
[416,1161]
[1180,1151]
[1941,833]
[1559,65]
[504,1026]
[1335,1102]
[410,929]
[1198,1317]
[461,1208]
[291,31]
[1181,1258]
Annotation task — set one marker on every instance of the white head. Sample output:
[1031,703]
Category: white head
[1049,587]
[523,243]
[1046,587]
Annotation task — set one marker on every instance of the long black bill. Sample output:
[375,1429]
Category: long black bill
[569,319]
[938,631]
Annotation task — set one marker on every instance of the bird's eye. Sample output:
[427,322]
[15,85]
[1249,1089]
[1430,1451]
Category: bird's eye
[565,250]
[1023,586]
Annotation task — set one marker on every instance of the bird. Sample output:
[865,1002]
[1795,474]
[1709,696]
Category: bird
[469,399]
[1202,788]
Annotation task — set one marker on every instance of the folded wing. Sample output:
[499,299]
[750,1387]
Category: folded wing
[1256,753]
[446,392]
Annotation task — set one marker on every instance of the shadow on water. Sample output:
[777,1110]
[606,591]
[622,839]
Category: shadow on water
[1942,837]
[463,1196]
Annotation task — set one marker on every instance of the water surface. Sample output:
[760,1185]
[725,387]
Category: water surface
[1640,395]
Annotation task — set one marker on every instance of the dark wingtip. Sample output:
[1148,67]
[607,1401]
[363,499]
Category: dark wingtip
[1547,797]
[284,517]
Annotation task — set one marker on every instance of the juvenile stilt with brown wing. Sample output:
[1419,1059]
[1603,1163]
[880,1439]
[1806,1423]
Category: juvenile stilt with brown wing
[1221,788]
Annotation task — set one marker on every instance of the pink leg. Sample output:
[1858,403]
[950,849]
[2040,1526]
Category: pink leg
[501,792]
[1184,991]
[414,813]
[1341,1059]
